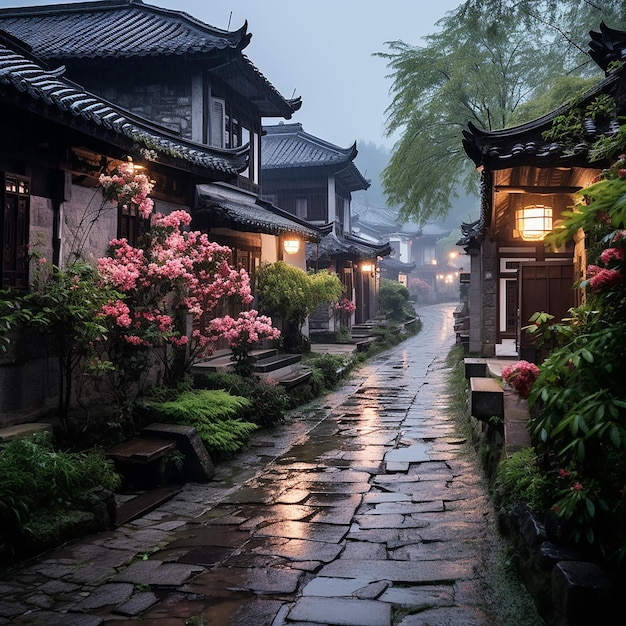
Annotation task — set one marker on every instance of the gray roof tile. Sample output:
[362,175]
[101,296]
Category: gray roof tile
[287,146]
[115,28]
[130,28]
[239,210]
[22,74]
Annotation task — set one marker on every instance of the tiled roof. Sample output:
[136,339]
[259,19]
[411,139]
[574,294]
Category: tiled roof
[383,220]
[130,28]
[115,28]
[524,144]
[221,206]
[51,95]
[287,146]
[392,264]
[332,246]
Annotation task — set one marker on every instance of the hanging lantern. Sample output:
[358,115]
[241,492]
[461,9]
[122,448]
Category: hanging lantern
[291,246]
[533,222]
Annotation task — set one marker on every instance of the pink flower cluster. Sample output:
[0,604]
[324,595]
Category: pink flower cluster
[126,186]
[602,278]
[345,306]
[244,332]
[179,277]
[418,284]
[521,376]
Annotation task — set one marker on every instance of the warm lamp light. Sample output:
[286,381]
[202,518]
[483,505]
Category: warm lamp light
[533,222]
[367,267]
[291,246]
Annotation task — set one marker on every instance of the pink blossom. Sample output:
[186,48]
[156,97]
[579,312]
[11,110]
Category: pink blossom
[521,376]
[612,254]
[606,279]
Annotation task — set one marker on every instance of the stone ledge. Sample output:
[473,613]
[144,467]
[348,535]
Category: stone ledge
[567,589]
[23,430]
[487,398]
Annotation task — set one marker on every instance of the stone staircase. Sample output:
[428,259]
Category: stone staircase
[269,364]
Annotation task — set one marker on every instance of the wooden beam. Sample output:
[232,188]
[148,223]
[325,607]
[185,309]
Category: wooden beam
[529,189]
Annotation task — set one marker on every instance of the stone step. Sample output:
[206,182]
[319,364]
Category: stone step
[276,362]
[23,430]
[475,368]
[143,504]
[296,377]
[487,398]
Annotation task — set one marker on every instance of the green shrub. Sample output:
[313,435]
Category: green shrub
[34,476]
[519,478]
[393,300]
[268,402]
[214,413]
[291,294]
[332,367]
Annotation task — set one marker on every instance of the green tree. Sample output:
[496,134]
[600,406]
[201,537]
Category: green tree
[290,293]
[488,60]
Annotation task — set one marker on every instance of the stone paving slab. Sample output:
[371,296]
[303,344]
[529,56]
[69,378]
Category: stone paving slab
[363,504]
[341,612]
[372,570]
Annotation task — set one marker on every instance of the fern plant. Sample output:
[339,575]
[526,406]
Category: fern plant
[214,414]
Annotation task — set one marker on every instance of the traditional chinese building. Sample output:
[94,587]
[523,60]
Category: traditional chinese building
[529,175]
[314,180]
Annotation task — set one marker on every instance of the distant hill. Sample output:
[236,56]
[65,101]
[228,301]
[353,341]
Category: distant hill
[372,160]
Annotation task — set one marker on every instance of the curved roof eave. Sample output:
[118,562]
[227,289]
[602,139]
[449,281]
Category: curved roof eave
[116,28]
[130,28]
[28,85]
[524,145]
[230,207]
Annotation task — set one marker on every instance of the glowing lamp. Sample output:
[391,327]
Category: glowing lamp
[533,222]
[291,246]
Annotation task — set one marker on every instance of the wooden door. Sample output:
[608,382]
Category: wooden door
[544,286]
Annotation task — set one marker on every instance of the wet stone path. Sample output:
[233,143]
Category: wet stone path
[363,509]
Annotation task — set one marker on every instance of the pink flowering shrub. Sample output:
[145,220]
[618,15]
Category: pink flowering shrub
[345,306]
[243,334]
[343,311]
[170,287]
[578,400]
[418,285]
[128,186]
[521,376]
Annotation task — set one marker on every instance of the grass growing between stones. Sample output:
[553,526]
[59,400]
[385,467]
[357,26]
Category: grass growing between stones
[510,602]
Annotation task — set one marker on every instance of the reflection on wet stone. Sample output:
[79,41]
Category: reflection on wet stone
[362,502]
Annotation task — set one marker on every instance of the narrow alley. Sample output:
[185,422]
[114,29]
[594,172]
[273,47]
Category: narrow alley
[364,509]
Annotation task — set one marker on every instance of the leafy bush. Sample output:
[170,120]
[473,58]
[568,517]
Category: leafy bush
[268,402]
[332,367]
[393,300]
[290,293]
[214,414]
[519,478]
[34,476]
[578,400]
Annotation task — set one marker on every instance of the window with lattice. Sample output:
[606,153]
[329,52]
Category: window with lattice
[14,226]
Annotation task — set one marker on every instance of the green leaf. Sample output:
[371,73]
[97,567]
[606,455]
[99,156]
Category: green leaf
[615,436]
[587,355]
